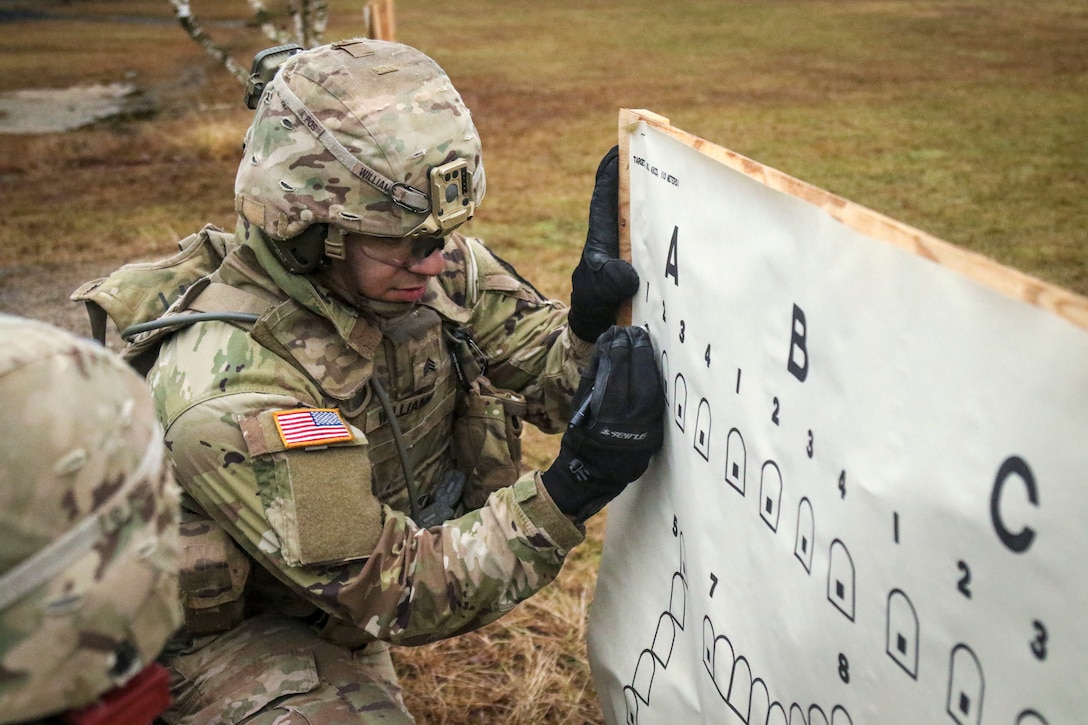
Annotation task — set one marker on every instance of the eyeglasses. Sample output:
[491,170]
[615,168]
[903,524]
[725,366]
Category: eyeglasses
[421,248]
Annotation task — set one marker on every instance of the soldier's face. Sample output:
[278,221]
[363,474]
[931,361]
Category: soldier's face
[391,270]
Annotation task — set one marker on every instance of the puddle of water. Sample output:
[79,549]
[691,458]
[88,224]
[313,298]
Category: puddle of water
[49,110]
[20,14]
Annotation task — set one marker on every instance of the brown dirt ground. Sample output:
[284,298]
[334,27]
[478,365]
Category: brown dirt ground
[41,292]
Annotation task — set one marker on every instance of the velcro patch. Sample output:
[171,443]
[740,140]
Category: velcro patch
[304,427]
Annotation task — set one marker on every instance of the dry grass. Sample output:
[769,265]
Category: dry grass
[529,667]
[966,119]
[121,191]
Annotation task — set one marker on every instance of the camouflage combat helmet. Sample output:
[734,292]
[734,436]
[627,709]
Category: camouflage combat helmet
[363,136]
[88,523]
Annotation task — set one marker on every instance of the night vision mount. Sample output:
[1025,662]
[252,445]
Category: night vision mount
[265,65]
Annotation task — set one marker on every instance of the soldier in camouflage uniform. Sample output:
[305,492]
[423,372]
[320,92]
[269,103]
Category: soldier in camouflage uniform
[88,526]
[350,451]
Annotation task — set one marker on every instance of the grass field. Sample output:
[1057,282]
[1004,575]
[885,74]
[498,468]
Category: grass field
[966,119]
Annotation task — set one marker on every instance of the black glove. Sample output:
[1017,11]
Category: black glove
[601,282]
[622,427]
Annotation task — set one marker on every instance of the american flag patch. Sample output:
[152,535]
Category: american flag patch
[311,427]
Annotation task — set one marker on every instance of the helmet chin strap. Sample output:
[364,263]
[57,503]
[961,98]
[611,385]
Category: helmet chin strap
[334,243]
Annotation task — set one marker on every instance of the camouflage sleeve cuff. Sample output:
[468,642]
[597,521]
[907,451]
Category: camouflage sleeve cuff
[534,501]
[579,348]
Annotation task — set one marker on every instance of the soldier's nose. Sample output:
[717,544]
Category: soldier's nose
[431,265]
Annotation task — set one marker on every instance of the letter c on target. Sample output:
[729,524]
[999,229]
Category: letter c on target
[1019,541]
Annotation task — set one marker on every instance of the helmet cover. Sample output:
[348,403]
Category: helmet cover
[392,107]
[88,523]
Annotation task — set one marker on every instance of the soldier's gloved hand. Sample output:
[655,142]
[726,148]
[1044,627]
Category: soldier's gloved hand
[601,282]
[622,427]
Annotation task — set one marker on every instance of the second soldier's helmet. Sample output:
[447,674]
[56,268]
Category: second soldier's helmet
[363,136]
[88,525]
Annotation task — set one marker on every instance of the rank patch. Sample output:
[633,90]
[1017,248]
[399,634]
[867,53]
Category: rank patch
[311,427]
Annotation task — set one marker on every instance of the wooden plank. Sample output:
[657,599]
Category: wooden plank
[380,20]
[628,119]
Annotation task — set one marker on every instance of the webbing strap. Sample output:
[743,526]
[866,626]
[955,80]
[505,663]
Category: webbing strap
[406,196]
[219,297]
[98,318]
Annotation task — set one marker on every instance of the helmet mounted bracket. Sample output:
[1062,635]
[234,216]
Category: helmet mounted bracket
[265,66]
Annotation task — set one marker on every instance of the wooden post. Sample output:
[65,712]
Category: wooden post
[380,20]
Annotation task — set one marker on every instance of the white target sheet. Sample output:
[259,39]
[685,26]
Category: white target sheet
[871,503]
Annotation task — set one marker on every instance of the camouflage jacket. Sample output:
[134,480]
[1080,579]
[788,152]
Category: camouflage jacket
[329,522]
